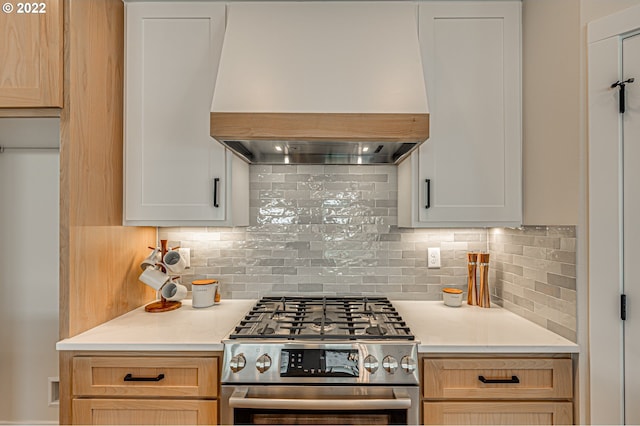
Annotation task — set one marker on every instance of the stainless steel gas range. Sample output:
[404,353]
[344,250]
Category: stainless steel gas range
[320,360]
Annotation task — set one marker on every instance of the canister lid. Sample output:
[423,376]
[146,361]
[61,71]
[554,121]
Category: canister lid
[204,282]
[452,290]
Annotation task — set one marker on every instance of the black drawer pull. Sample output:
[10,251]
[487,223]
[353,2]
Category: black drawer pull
[513,379]
[129,378]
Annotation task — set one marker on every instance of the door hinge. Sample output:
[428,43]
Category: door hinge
[623,307]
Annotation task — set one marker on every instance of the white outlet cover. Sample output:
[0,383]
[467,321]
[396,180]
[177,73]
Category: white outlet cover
[54,391]
[433,257]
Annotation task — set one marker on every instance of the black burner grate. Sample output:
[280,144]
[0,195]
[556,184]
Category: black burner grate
[323,318]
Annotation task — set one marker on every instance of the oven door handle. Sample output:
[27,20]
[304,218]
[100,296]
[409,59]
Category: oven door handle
[401,401]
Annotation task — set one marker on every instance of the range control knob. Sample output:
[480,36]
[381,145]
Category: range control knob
[390,364]
[238,362]
[371,364]
[408,364]
[263,363]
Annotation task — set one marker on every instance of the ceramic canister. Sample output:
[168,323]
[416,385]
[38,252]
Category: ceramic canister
[452,297]
[203,292]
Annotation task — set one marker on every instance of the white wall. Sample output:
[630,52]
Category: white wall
[551,111]
[29,227]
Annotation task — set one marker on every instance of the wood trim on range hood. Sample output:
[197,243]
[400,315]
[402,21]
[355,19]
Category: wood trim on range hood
[320,126]
[337,72]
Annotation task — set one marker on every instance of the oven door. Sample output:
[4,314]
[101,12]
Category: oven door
[304,404]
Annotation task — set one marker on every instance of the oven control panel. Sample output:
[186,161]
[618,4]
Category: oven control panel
[319,363]
[283,362]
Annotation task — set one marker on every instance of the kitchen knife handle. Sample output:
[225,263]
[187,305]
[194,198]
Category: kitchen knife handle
[513,379]
[129,378]
[216,183]
[427,194]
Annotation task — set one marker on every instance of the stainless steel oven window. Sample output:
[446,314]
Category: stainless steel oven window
[259,404]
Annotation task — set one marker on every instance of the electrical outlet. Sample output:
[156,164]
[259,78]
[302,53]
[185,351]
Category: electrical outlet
[433,257]
[54,391]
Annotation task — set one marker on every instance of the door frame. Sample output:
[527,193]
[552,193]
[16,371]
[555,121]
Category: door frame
[605,221]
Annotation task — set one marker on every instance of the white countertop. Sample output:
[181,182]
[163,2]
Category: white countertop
[471,329]
[184,329]
[438,328]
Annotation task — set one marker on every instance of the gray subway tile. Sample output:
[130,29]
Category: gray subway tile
[535,252]
[284,270]
[547,242]
[559,280]
[232,270]
[375,279]
[513,269]
[310,287]
[568,295]
[562,231]
[551,290]
[568,270]
[562,256]
[513,249]
[565,332]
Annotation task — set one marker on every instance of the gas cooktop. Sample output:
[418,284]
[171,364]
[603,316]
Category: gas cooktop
[323,318]
[339,340]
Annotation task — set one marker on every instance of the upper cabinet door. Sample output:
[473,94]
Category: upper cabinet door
[175,172]
[31,54]
[469,171]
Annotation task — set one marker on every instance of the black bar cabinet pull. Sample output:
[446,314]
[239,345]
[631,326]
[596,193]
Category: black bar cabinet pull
[428,194]
[129,378]
[513,379]
[216,183]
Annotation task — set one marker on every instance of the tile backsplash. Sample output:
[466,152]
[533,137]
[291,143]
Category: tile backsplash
[333,230]
[534,274]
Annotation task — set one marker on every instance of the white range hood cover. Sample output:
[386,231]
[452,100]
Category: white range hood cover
[331,60]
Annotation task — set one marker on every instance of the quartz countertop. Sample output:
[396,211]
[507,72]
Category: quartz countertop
[471,329]
[438,328]
[184,329]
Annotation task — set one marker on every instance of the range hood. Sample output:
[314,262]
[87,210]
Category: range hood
[321,83]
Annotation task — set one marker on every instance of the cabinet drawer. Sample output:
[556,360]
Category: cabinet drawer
[542,378]
[144,412]
[145,376]
[497,413]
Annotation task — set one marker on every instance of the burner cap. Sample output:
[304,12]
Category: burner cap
[279,316]
[316,324]
[376,330]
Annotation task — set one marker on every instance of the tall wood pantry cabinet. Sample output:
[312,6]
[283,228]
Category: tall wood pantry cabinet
[175,172]
[469,171]
[31,52]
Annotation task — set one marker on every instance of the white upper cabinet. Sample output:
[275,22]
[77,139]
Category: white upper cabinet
[175,172]
[469,171]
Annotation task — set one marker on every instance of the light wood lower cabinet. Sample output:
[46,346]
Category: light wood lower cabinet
[497,390]
[144,412]
[145,376]
[497,413]
[135,389]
